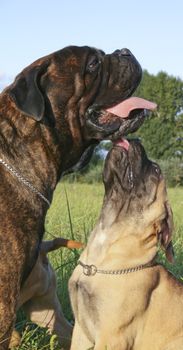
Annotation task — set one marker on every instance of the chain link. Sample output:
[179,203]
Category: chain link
[91,270]
[24,181]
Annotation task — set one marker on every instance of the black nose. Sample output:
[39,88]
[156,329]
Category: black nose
[123,52]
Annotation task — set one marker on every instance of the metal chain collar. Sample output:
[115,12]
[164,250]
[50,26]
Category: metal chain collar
[24,181]
[91,270]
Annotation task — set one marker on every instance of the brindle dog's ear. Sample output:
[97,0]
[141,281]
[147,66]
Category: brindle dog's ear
[27,94]
[166,234]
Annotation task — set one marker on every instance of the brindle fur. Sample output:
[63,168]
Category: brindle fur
[45,129]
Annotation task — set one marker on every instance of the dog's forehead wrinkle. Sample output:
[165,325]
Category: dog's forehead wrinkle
[91,88]
[77,92]
[79,85]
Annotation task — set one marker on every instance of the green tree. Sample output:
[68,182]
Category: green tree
[162,133]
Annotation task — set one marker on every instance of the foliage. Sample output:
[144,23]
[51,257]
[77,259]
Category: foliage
[92,174]
[162,133]
[173,171]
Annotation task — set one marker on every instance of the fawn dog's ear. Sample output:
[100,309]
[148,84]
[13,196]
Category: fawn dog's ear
[26,92]
[165,235]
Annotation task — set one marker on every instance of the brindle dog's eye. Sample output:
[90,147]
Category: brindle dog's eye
[156,169]
[93,64]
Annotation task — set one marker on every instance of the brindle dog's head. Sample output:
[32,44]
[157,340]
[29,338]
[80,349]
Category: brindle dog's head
[135,196]
[72,91]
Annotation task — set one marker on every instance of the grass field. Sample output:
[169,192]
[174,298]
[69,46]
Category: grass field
[73,213]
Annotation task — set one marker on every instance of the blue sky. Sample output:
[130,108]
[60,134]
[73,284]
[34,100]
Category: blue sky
[152,30]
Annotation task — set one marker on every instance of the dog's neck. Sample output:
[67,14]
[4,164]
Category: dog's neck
[115,247]
[30,159]
[34,150]
[58,151]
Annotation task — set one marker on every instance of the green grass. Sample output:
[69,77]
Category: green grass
[176,201]
[73,213]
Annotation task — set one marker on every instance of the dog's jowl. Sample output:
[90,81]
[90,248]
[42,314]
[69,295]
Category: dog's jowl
[51,118]
[121,297]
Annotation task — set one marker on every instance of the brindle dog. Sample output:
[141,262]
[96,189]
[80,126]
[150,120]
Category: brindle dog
[122,298]
[51,118]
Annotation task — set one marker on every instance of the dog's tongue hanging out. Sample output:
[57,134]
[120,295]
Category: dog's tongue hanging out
[124,108]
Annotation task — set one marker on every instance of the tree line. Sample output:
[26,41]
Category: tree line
[162,132]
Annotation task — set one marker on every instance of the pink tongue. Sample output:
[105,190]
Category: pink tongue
[124,108]
[123,143]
